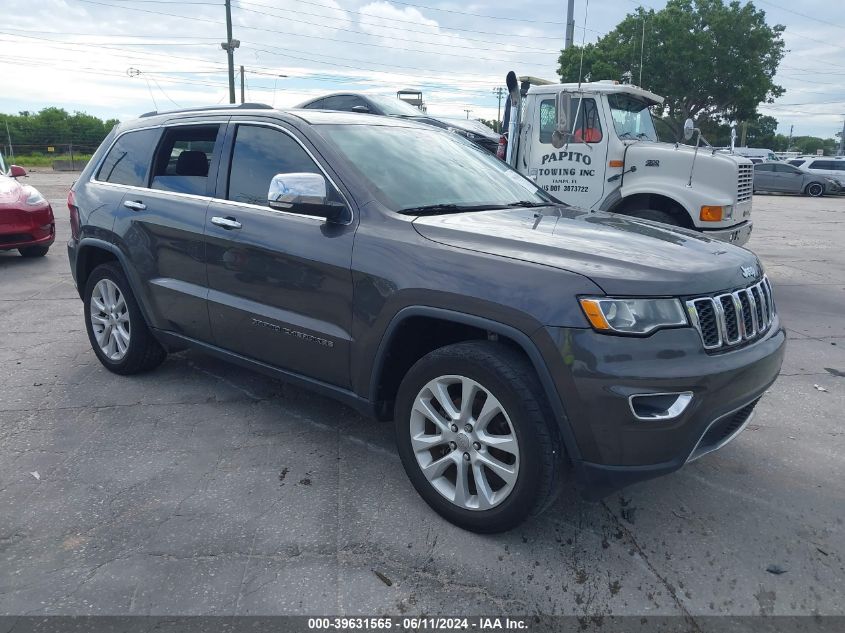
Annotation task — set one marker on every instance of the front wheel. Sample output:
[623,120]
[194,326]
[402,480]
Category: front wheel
[815,189]
[475,438]
[33,251]
[116,328]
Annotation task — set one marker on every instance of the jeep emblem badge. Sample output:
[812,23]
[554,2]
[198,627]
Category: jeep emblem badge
[748,271]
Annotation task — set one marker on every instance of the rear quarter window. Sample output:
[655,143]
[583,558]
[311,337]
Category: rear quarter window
[128,160]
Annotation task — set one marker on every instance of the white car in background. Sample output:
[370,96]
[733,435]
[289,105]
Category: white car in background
[831,166]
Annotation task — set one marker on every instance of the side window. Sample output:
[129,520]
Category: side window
[587,127]
[316,105]
[344,103]
[259,154]
[128,161]
[796,163]
[786,169]
[764,167]
[548,117]
[183,158]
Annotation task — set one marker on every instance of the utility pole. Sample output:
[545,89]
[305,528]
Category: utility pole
[744,134]
[841,151]
[467,111]
[789,141]
[229,46]
[499,92]
[9,136]
[242,85]
[570,24]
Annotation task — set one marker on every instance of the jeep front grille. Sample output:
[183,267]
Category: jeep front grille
[733,318]
[744,182]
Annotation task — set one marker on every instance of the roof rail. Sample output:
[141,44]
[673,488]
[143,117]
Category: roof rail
[238,106]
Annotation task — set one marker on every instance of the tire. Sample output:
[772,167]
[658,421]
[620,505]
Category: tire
[33,251]
[130,348]
[815,189]
[655,216]
[523,425]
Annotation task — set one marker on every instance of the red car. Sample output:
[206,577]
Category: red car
[26,218]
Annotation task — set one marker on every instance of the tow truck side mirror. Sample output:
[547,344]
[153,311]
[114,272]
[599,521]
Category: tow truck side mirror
[560,136]
[689,129]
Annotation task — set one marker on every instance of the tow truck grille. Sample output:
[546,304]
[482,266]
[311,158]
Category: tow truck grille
[733,318]
[745,182]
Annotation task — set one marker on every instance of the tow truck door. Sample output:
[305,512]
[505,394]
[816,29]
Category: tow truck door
[574,173]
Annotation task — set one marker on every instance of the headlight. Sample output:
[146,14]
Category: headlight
[34,198]
[632,316]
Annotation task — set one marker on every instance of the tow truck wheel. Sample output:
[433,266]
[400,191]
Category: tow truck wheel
[655,216]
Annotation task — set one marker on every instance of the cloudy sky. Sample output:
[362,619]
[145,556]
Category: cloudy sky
[118,58]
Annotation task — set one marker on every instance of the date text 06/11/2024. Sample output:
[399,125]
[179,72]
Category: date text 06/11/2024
[417,624]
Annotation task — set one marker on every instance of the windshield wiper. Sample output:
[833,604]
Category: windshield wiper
[437,209]
[530,204]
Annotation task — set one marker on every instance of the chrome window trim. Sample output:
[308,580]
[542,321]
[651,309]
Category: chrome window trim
[176,123]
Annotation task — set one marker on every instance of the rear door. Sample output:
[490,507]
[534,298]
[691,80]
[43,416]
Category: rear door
[280,282]
[162,226]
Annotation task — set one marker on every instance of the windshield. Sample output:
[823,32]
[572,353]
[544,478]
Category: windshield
[410,167]
[631,117]
[395,107]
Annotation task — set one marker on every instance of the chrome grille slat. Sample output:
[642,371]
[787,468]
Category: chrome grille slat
[744,182]
[728,319]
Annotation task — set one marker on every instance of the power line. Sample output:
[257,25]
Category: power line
[803,15]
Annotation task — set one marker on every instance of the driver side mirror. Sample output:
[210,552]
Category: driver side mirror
[304,193]
[560,136]
[17,172]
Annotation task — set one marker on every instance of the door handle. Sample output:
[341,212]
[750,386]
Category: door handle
[226,223]
[135,205]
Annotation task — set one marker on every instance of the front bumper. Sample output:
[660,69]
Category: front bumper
[595,375]
[19,229]
[738,234]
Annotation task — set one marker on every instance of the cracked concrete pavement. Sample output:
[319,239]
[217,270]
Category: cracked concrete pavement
[201,488]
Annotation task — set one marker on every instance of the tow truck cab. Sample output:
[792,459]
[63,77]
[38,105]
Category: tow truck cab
[594,146]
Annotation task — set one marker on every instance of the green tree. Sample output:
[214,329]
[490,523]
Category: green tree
[492,124]
[711,60]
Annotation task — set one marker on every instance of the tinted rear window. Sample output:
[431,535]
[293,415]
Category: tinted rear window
[128,161]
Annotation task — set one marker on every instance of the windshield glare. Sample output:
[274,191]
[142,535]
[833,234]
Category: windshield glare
[394,106]
[631,118]
[409,167]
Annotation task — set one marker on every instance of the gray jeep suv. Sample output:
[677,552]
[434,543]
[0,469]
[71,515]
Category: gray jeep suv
[515,341]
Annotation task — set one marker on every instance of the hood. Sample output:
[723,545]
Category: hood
[11,192]
[622,255]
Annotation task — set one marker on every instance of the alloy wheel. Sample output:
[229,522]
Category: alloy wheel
[464,442]
[110,319]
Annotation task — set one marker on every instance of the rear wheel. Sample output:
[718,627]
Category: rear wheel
[34,251]
[815,189]
[116,328]
[475,438]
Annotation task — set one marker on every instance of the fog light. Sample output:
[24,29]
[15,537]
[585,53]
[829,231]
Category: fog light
[711,213]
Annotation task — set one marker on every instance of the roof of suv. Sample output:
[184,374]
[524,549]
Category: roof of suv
[150,119]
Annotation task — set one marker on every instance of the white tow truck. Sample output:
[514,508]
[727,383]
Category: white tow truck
[593,145]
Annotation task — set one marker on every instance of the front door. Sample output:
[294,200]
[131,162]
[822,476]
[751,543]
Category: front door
[280,283]
[573,173]
[789,178]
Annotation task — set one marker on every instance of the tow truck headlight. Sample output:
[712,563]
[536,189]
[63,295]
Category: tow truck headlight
[632,316]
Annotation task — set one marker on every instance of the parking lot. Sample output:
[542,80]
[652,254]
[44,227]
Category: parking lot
[201,488]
